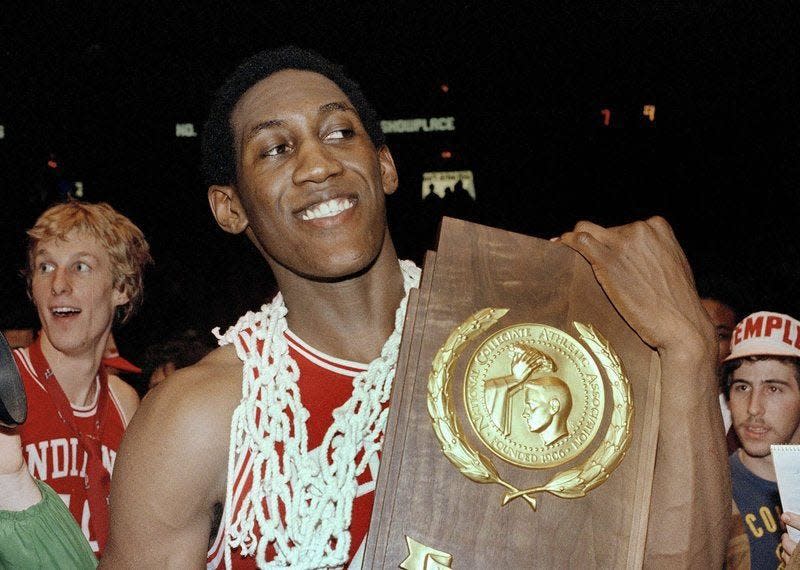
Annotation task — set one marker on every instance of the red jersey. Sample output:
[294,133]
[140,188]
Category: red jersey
[54,451]
[325,383]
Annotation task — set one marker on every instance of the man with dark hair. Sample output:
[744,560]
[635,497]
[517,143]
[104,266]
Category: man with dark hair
[270,445]
[723,317]
[219,147]
[164,358]
[761,377]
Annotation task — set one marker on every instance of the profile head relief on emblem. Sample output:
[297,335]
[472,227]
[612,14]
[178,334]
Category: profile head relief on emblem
[534,395]
[548,402]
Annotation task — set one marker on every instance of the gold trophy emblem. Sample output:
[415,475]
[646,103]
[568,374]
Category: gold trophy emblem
[535,397]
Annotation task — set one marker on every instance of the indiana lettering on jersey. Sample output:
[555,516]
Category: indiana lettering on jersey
[62,457]
[62,463]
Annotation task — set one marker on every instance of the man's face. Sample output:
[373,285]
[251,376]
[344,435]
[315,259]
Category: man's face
[765,405]
[537,412]
[311,182]
[72,287]
[724,321]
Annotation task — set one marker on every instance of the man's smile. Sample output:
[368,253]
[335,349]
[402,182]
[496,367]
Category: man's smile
[327,208]
[64,311]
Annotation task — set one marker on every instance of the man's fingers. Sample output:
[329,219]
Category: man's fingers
[587,226]
[584,240]
[660,225]
[787,547]
[791,519]
[664,230]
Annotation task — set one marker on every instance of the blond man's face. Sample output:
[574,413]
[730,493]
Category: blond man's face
[72,287]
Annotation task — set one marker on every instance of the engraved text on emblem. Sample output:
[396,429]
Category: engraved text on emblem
[534,395]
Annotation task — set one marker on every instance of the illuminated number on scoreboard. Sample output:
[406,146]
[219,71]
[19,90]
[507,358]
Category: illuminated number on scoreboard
[620,116]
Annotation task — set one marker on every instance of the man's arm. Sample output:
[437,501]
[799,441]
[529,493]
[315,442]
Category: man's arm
[17,488]
[171,468]
[36,527]
[645,274]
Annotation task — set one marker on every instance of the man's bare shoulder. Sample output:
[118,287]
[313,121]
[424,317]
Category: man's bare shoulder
[186,418]
[219,370]
[200,397]
[171,469]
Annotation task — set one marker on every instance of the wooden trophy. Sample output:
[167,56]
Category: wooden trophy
[524,417]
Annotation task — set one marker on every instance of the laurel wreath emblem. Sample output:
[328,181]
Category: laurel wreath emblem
[569,484]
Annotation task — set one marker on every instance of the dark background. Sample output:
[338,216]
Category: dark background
[101,86]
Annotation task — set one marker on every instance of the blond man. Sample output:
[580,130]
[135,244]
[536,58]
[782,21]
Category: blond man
[85,269]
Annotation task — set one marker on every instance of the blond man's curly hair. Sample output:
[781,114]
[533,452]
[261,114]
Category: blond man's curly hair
[127,248]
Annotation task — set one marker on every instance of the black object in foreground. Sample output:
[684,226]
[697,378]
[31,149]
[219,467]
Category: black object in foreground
[13,404]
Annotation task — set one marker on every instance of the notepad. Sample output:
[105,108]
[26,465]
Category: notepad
[787,469]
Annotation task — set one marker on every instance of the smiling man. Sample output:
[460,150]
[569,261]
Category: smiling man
[762,383]
[265,452]
[85,265]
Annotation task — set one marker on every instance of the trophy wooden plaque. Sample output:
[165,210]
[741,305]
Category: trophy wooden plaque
[524,417]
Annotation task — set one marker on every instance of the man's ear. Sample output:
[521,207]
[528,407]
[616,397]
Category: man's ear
[554,406]
[227,208]
[388,170]
[119,297]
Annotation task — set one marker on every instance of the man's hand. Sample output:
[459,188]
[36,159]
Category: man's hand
[644,272]
[788,545]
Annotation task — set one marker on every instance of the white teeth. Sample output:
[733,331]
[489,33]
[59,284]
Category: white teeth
[65,310]
[328,208]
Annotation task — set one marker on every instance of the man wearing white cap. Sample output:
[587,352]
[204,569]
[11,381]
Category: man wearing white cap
[761,377]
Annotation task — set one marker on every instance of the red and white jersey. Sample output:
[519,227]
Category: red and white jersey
[325,383]
[52,450]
